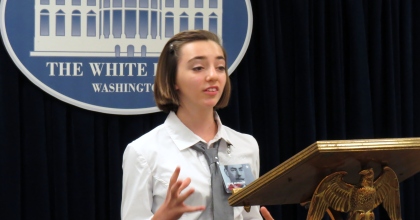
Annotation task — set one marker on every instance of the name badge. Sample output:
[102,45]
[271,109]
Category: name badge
[236,176]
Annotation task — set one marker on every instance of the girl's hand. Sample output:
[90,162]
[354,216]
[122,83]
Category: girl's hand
[174,207]
[265,213]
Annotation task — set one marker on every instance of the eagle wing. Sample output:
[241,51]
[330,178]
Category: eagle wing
[331,192]
[387,193]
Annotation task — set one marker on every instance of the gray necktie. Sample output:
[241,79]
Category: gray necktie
[221,208]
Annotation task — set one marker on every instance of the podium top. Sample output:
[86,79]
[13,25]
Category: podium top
[295,180]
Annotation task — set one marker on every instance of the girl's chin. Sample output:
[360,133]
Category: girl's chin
[210,104]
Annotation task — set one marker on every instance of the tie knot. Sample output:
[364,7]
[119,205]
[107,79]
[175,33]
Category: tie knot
[210,154]
[202,145]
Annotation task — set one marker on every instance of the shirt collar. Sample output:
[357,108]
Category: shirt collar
[184,138]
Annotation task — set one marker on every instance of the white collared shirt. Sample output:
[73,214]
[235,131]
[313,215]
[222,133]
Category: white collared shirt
[150,161]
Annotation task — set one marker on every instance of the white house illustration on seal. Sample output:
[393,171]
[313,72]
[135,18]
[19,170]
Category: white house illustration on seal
[118,28]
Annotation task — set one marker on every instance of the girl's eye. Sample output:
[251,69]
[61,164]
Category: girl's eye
[198,68]
[221,68]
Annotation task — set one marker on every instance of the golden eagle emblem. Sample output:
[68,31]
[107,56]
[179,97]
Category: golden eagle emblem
[358,201]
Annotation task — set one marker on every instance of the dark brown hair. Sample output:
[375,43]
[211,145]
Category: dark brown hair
[166,96]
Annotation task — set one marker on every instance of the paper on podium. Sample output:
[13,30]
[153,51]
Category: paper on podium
[295,180]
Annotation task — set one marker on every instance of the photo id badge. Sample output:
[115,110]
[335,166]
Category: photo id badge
[236,176]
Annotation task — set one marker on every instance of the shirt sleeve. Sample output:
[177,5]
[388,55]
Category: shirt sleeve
[137,197]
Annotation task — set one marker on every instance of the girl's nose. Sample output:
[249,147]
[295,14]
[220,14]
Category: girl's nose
[212,74]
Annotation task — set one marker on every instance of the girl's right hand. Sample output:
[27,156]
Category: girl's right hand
[173,207]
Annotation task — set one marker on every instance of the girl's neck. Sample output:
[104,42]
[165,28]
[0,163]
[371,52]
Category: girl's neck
[202,123]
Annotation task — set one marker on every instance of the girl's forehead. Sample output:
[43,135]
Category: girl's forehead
[201,49]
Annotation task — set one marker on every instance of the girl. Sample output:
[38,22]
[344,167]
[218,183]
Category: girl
[163,176]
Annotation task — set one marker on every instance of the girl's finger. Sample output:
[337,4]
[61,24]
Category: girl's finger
[174,176]
[265,213]
[186,194]
[185,184]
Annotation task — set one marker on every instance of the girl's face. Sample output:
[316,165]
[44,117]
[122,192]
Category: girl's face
[201,74]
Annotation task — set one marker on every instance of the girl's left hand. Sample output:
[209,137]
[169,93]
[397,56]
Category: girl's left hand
[265,213]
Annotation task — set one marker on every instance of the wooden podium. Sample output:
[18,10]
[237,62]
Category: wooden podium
[295,180]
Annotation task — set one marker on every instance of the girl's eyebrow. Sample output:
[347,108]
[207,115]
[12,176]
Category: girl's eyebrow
[203,58]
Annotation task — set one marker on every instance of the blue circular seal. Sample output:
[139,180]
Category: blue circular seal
[101,55]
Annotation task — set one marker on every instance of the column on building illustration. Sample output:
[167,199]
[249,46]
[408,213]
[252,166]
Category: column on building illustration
[154,19]
[137,22]
[149,20]
[102,19]
[111,19]
[123,10]
[144,19]
[68,18]
[106,23]
[130,19]
[160,19]
[117,18]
